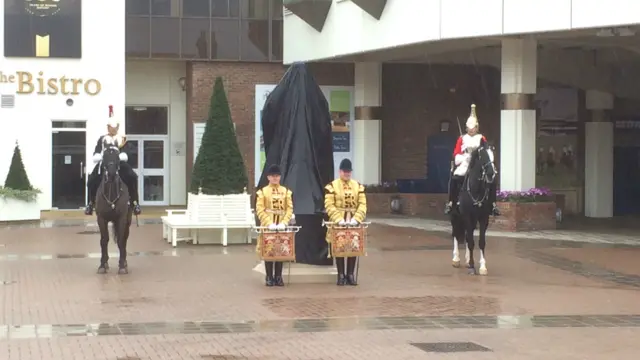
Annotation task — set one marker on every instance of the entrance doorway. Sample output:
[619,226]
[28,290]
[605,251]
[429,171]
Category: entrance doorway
[147,157]
[147,129]
[68,175]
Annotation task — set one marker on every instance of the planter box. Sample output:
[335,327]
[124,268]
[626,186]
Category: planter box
[18,210]
[425,205]
[525,216]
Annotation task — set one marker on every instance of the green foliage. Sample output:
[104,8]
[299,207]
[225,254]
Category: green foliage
[17,184]
[219,168]
[24,195]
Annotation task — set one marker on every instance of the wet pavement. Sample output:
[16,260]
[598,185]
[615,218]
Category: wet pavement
[543,298]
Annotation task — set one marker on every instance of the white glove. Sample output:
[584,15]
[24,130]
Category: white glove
[97,157]
[353,222]
[123,156]
[273,227]
[281,226]
[342,223]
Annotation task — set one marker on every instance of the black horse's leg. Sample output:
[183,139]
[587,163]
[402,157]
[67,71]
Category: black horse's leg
[470,228]
[484,224]
[121,230]
[103,225]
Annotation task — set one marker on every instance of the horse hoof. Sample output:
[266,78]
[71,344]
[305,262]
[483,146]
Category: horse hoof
[455,263]
[123,271]
[471,271]
[102,270]
[483,271]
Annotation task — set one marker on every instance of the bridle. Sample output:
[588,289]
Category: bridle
[107,195]
[484,177]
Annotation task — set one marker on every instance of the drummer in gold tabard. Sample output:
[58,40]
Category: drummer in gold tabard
[346,204]
[274,206]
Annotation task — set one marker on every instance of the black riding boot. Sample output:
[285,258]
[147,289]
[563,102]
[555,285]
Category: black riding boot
[351,266]
[268,269]
[277,279]
[454,190]
[92,189]
[131,179]
[340,267]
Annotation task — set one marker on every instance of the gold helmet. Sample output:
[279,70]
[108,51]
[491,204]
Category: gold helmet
[472,121]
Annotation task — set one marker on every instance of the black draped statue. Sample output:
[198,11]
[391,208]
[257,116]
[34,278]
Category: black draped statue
[296,127]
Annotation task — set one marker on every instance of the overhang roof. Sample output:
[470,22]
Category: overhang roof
[313,12]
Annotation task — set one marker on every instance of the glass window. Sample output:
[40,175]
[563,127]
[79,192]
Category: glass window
[146,120]
[137,36]
[276,40]
[224,39]
[165,37]
[195,38]
[138,7]
[225,8]
[254,9]
[153,188]
[255,40]
[165,8]
[195,8]
[276,9]
[153,153]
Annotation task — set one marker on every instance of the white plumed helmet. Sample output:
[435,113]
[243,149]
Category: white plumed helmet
[472,121]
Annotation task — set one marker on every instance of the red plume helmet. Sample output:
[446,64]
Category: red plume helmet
[110,110]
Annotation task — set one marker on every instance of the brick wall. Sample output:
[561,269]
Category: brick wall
[240,80]
[416,97]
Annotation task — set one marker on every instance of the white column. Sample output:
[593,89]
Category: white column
[518,116]
[367,127]
[598,179]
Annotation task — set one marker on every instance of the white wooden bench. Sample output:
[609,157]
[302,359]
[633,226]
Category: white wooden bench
[224,212]
[237,215]
[203,212]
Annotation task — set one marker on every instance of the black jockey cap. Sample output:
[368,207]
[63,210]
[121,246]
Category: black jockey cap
[273,170]
[345,165]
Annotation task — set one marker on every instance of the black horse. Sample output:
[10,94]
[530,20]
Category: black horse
[475,207]
[112,205]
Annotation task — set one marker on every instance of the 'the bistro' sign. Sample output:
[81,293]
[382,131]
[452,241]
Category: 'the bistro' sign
[27,84]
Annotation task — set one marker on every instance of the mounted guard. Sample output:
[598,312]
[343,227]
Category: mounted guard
[114,138]
[465,145]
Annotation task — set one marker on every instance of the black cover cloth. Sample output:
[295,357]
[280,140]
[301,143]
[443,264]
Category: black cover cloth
[296,127]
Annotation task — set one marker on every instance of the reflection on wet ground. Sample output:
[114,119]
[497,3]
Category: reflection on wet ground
[321,325]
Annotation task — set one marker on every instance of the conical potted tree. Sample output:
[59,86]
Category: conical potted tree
[18,198]
[219,168]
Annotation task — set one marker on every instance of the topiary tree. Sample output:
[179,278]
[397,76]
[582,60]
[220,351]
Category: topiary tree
[219,168]
[17,178]
[17,184]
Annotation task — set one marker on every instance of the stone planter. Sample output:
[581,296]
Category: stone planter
[425,205]
[18,210]
[525,216]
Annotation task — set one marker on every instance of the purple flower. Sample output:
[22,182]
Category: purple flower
[531,195]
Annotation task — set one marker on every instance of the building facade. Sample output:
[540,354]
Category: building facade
[63,63]
[552,81]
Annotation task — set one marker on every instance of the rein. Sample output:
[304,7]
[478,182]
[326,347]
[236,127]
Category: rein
[483,178]
[109,184]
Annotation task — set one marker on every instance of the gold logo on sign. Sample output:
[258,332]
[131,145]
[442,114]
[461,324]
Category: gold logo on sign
[42,46]
[42,7]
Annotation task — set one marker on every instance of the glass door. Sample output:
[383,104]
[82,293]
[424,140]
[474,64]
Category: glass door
[148,157]
[69,152]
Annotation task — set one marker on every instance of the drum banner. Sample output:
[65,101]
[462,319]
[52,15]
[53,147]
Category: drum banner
[277,246]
